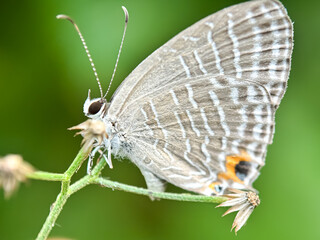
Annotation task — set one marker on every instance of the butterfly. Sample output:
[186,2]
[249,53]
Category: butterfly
[199,111]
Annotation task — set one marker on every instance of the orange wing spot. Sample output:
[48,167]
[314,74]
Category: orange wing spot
[231,163]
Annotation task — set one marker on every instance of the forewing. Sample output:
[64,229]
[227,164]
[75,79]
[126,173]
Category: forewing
[252,40]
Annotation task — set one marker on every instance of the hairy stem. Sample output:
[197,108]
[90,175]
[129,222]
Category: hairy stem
[63,195]
[89,179]
[47,176]
[53,215]
[77,162]
[163,195]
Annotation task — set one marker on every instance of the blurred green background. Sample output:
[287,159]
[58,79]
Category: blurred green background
[45,76]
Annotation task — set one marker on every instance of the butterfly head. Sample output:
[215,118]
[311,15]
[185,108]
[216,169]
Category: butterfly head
[95,108]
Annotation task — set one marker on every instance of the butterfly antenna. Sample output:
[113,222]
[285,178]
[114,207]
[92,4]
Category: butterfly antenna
[124,34]
[61,16]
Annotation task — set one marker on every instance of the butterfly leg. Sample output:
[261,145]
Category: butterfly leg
[93,153]
[90,159]
[153,182]
[107,159]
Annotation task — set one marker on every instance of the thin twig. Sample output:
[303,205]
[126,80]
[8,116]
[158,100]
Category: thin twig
[76,164]
[46,176]
[162,195]
[63,195]
[53,215]
[89,179]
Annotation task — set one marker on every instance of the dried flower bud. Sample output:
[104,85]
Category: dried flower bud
[244,203]
[92,131]
[13,170]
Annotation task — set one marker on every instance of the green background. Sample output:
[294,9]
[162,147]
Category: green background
[45,76]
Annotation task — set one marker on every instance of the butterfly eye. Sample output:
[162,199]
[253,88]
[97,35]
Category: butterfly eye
[95,107]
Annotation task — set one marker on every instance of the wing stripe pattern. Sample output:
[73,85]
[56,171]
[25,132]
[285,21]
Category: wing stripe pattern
[175,99]
[199,62]
[216,103]
[156,117]
[196,130]
[190,95]
[235,95]
[235,42]
[146,120]
[205,121]
[210,92]
[216,53]
[180,124]
[185,66]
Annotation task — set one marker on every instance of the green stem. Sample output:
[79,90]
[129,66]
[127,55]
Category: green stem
[97,169]
[67,190]
[75,165]
[89,179]
[53,215]
[163,195]
[46,176]
[63,195]
[78,185]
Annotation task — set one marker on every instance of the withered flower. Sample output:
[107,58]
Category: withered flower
[92,131]
[244,203]
[13,170]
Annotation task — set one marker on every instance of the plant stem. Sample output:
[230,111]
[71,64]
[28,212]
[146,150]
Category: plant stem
[53,215]
[163,195]
[63,195]
[89,179]
[97,169]
[76,164]
[46,176]
[94,178]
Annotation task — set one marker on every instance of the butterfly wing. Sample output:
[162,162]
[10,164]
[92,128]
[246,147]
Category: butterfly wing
[200,109]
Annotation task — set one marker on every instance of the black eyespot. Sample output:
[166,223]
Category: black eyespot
[95,107]
[242,169]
